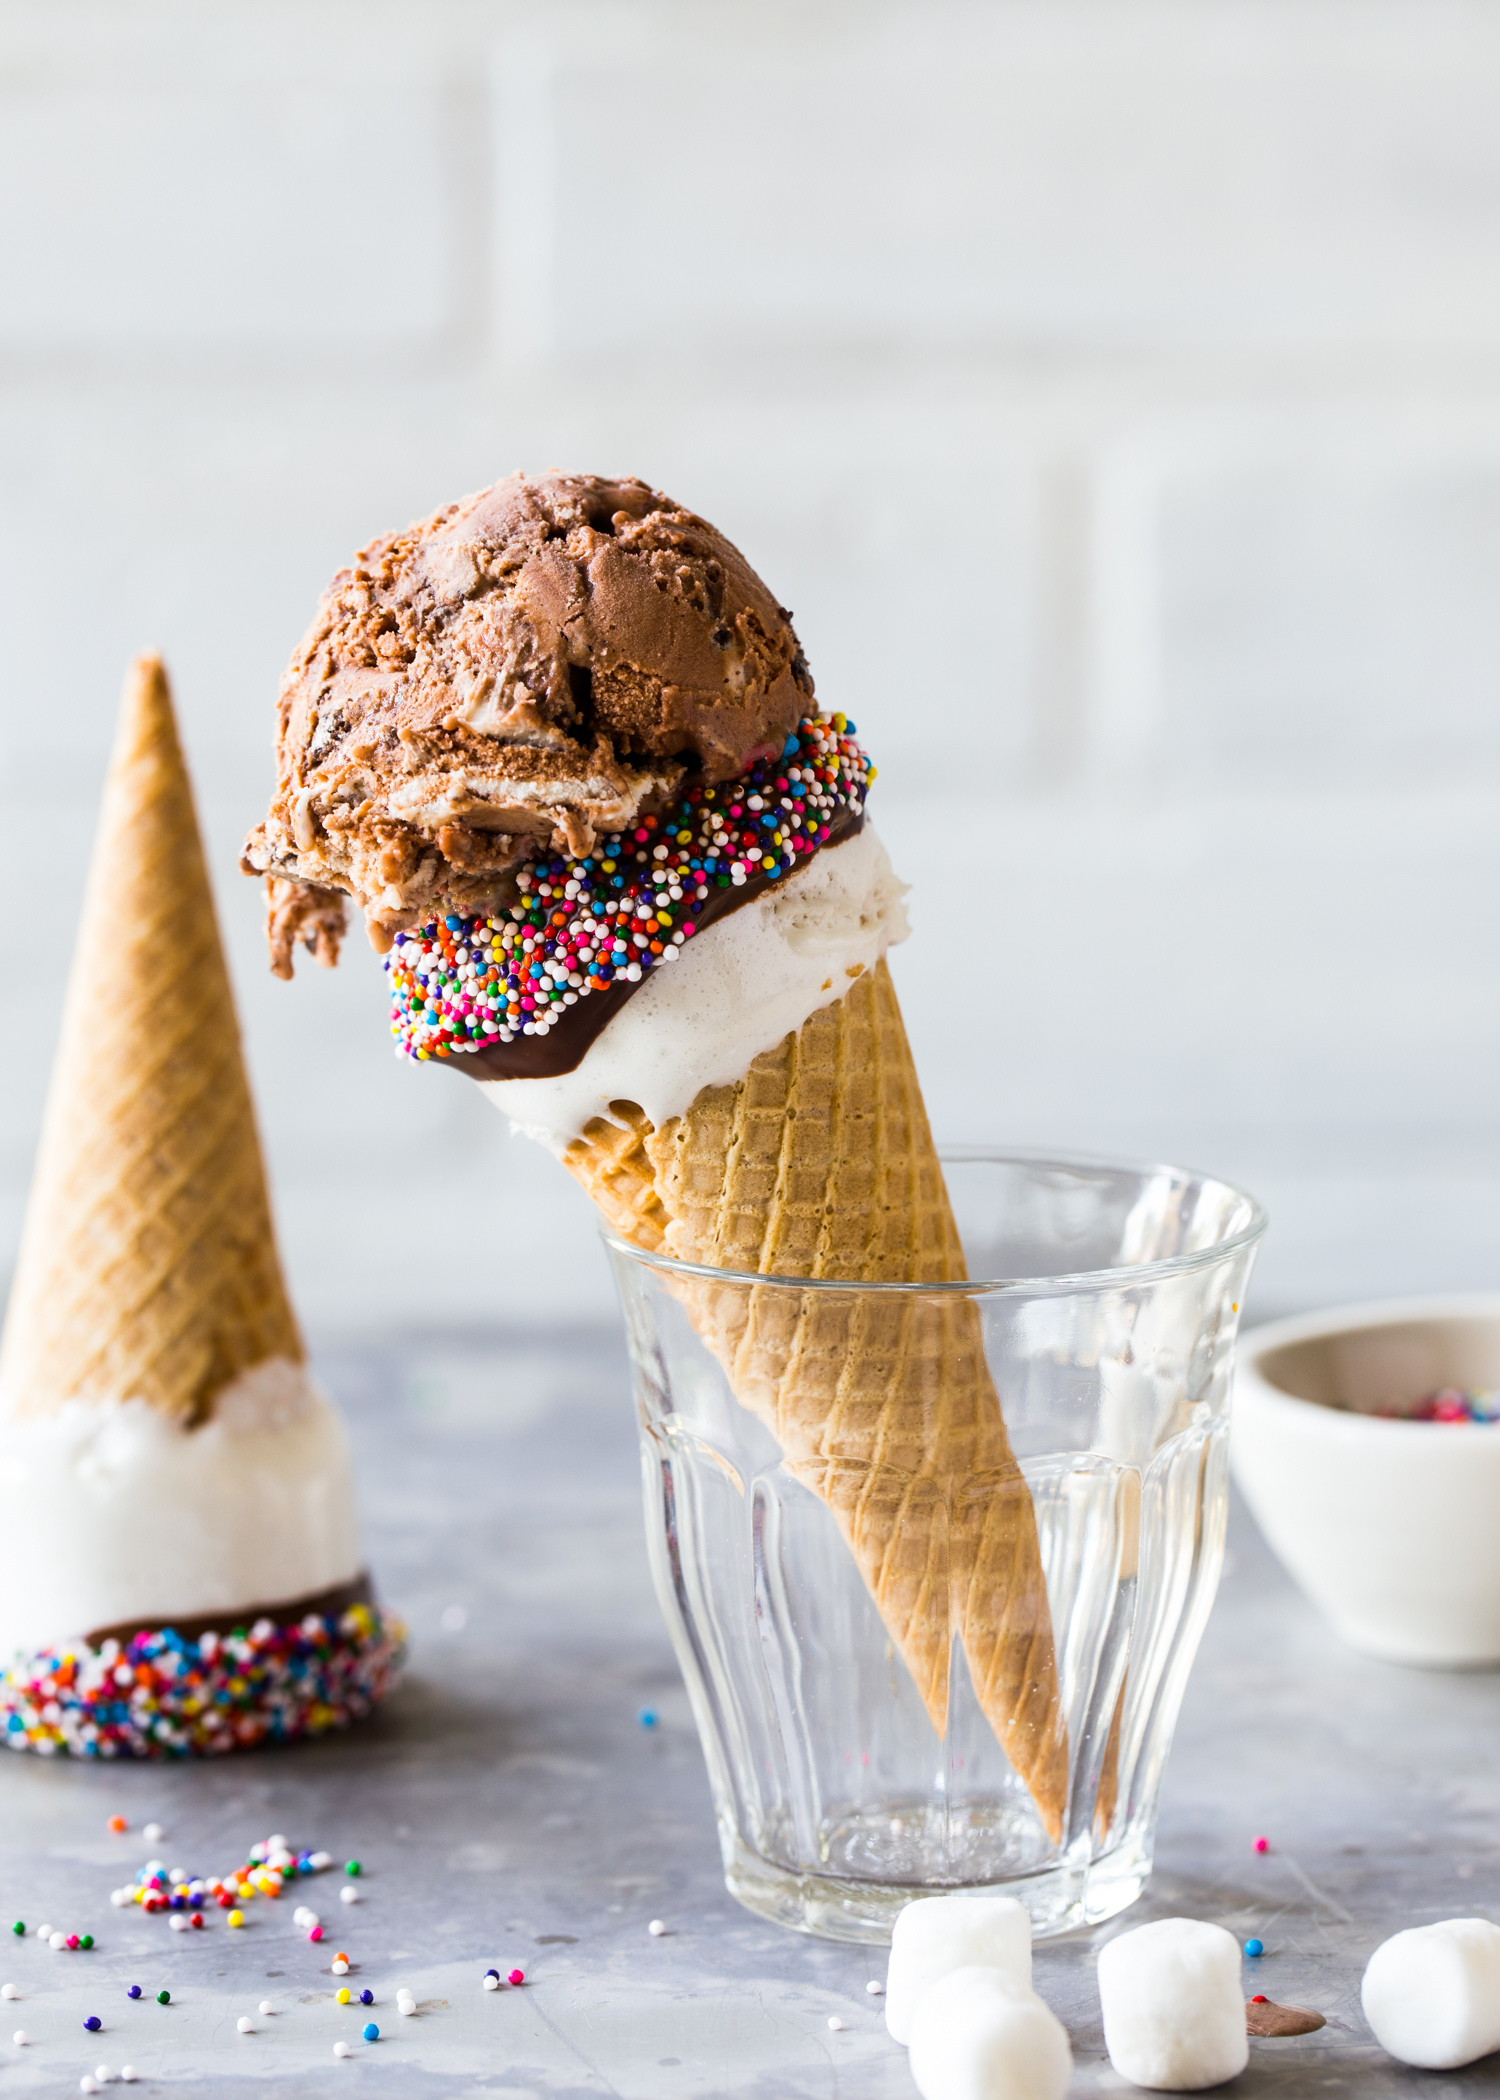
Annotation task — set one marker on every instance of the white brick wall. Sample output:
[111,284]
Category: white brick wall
[1110,388]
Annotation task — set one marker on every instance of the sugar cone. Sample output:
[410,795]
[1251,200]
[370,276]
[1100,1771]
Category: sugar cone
[148,1266]
[820,1163]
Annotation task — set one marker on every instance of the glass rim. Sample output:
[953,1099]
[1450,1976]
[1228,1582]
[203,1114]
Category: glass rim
[1123,1276]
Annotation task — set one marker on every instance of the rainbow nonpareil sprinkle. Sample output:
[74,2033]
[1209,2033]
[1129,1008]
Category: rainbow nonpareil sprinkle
[1451,1404]
[159,1695]
[581,925]
[268,1869]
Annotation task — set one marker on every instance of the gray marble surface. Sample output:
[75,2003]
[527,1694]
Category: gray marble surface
[510,1809]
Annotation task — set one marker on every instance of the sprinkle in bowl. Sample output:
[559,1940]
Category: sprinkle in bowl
[1367,1444]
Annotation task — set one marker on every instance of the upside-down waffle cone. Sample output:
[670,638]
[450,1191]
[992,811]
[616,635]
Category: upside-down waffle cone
[148,1266]
[820,1163]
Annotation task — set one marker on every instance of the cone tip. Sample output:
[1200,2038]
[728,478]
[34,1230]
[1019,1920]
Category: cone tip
[147,668]
[147,720]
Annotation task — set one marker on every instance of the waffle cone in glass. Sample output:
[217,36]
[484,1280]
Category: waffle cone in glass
[819,1163]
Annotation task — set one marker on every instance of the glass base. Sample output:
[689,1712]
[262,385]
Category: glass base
[1060,1899]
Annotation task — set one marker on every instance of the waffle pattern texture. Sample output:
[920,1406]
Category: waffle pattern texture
[819,1163]
[148,1266]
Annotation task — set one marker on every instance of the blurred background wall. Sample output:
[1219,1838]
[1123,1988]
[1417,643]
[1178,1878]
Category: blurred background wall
[1113,390]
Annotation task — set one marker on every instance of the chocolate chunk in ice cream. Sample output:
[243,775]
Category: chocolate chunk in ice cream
[527,669]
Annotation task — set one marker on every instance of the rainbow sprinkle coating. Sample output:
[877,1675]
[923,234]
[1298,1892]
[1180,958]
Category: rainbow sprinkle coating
[579,926]
[159,1695]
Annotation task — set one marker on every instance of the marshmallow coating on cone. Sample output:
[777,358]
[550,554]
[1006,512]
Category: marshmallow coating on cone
[937,1935]
[1432,1994]
[980,2035]
[118,1514]
[1174,2011]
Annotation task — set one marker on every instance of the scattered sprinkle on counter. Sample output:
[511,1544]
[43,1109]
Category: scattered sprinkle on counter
[647,1717]
[1255,1948]
[580,925]
[1262,1844]
[835,2023]
[516,1976]
[341,2048]
[93,2023]
[371,2032]
[656,1928]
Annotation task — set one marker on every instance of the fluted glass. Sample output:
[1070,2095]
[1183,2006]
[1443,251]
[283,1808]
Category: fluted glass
[1106,1329]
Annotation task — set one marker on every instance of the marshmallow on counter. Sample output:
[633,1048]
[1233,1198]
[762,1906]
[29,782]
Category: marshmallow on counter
[1432,1994]
[935,1935]
[981,2035]
[1174,2010]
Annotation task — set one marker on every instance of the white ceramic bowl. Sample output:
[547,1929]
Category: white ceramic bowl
[1391,1527]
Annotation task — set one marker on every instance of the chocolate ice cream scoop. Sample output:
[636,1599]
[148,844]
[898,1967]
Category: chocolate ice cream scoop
[529,668]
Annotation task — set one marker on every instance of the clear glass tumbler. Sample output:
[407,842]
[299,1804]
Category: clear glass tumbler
[997,1718]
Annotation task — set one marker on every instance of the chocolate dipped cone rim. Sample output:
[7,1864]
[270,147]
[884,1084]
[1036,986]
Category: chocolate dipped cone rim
[294,1671]
[323,1604]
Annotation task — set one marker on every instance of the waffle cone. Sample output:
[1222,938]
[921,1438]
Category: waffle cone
[820,1163]
[148,1265]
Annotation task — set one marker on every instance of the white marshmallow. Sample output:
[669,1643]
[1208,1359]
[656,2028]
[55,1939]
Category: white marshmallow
[1432,1995]
[1174,2009]
[937,1934]
[981,2035]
